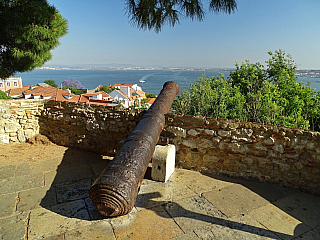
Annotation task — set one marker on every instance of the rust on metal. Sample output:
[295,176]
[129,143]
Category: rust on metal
[115,191]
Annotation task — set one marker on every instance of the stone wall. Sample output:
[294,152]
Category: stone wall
[19,119]
[268,153]
[286,156]
[89,127]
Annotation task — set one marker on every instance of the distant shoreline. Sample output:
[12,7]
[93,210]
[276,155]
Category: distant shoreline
[138,68]
[299,73]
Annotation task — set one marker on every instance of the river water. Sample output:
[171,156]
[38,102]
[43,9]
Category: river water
[153,79]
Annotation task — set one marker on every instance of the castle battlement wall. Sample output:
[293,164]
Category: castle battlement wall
[269,153]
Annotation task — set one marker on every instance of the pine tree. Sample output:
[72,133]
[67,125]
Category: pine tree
[29,30]
[147,15]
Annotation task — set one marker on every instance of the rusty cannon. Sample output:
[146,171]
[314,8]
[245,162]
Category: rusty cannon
[115,191]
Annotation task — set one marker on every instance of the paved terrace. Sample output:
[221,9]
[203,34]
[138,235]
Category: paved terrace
[44,195]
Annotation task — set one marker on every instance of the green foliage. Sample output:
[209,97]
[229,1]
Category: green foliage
[151,95]
[144,101]
[253,93]
[155,14]
[50,82]
[106,89]
[3,95]
[213,96]
[29,30]
[76,91]
[144,104]
[314,112]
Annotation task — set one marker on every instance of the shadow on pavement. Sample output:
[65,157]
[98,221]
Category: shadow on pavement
[69,196]
[301,206]
[69,192]
[177,211]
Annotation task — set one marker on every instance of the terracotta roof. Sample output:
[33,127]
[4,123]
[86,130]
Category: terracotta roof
[151,100]
[75,98]
[104,95]
[85,98]
[17,91]
[141,92]
[56,94]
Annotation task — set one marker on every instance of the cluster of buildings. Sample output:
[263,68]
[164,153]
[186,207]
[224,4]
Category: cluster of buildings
[127,95]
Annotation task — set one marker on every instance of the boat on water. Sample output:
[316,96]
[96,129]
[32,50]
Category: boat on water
[142,81]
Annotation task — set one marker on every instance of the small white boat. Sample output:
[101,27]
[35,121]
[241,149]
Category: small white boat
[142,81]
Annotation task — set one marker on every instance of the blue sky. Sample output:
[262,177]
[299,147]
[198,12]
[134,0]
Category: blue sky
[100,33]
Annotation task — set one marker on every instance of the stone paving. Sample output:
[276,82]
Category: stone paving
[47,198]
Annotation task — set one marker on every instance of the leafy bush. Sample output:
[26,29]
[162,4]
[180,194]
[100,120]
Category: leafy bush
[106,89]
[253,93]
[75,91]
[3,95]
[50,82]
[151,95]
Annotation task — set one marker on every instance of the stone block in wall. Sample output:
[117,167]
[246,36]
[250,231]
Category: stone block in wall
[233,125]
[205,143]
[238,148]
[3,110]
[244,132]
[4,138]
[11,127]
[189,143]
[22,121]
[224,133]
[29,133]
[14,139]
[209,132]
[279,148]
[193,132]
[177,131]
[6,116]
[210,159]
[242,139]
[269,141]
[21,136]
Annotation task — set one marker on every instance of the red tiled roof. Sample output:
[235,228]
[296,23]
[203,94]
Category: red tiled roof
[75,98]
[56,94]
[104,95]
[151,100]
[85,98]
[141,92]
[17,91]
[59,95]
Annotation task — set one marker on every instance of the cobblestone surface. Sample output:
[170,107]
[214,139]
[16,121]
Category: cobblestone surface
[47,198]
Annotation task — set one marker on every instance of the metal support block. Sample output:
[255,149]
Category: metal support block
[163,162]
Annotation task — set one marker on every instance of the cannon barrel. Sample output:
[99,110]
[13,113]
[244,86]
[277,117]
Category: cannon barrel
[115,191]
